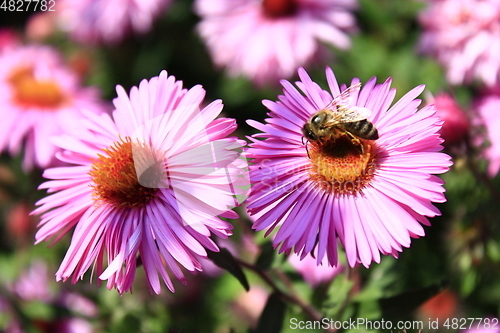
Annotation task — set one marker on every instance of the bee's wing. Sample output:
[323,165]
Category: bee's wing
[363,112]
[348,115]
[346,97]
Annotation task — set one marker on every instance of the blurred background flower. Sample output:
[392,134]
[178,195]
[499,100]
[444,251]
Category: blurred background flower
[313,273]
[488,107]
[41,98]
[33,284]
[455,122]
[32,294]
[267,40]
[107,21]
[464,35]
[8,39]
[442,306]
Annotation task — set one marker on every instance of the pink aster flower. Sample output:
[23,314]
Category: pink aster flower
[33,284]
[148,184]
[73,325]
[267,40]
[371,195]
[464,35]
[313,273]
[488,108]
[107,21]
[40,97]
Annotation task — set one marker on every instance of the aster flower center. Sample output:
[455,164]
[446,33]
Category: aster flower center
[114,174]
[31,92]
[342,166]
[279,8]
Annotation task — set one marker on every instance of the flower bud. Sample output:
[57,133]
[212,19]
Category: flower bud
[441,306]
[456,124]
[40,26]
[8,39]
[20,225]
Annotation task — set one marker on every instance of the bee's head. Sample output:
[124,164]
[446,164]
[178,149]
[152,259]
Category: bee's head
[308,134]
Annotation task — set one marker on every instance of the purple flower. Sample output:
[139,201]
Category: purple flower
[488,107]
[464,35]
[267,40]
[40,98]
[371,195]
[150,182]
[107,21]
[313,273]
[455,122]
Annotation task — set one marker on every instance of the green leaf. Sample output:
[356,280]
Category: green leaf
[128,323]
[338,295]
[271,319]
[469,282]
[225,260]
[493,250]
[236,91]
[38,309]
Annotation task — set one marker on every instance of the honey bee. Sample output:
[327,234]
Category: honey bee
[339,117]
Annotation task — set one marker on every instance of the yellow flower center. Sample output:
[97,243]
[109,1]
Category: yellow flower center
[114,174]
[30,92]
[343,165]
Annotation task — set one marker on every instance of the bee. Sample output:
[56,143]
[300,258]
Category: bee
[339,117]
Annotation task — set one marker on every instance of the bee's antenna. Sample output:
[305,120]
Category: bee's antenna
[307,149]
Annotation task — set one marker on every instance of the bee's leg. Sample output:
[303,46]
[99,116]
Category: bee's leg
[305,144]
[356,142]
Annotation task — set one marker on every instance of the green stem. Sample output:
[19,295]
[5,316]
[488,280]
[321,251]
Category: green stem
[308,309]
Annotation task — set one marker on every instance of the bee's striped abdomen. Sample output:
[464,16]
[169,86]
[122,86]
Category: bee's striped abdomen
[363,129]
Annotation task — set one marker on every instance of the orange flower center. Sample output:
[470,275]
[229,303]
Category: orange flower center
[343,165]
[31,92]
[115,174]
[279,8]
